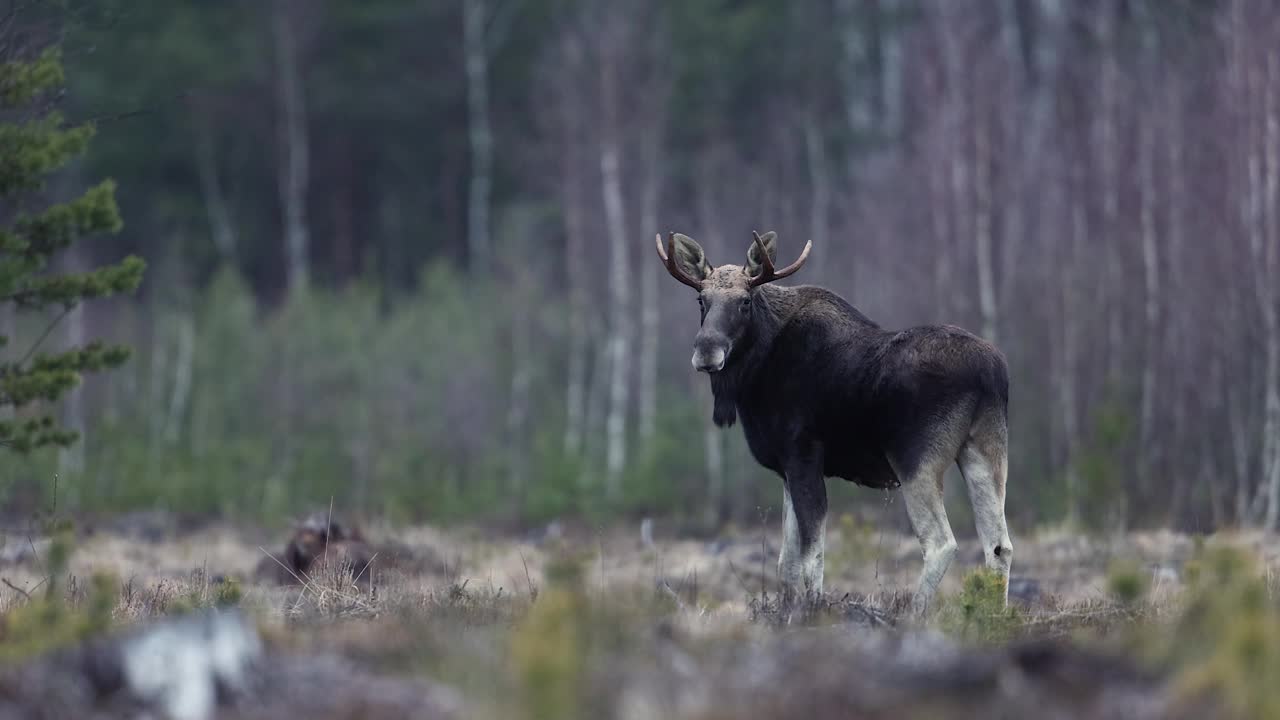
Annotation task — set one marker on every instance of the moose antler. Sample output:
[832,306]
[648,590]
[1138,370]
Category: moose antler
[669,259]
[767,273]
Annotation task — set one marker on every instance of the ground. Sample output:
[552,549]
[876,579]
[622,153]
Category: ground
[574,622]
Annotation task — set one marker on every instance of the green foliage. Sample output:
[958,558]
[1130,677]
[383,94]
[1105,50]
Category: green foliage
[1126,583]
[1101,472]
[978,612]
[31,149]
[53,618]
[397,411]
[1226,643]
[548,648]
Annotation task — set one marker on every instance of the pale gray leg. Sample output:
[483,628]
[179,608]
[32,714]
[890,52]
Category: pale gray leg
[983,466]
[923,497]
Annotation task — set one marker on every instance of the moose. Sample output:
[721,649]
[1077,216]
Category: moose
[823,391]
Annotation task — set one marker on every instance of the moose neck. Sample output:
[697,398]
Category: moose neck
[772,306]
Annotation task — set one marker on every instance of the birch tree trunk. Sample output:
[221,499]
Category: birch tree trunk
[570,109]
[1023,148]
[620,316]
[1246,171]
[890,69]
[1175,337]
[596,413]
[157,382]
[650,335]
[518,405]
[854,51]
[956,153]
[982,245]
[479,135]
[221,229]
[1069,393]
[1257,103]
[1271,228]
[576,384]
[1147,452]
[8,329]
[180,394]
[1107,143]
[820,187]
[293,142]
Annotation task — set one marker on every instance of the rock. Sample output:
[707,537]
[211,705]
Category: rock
[179,667]
[207,665]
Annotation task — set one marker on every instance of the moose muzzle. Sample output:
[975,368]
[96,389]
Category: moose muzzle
[709,353]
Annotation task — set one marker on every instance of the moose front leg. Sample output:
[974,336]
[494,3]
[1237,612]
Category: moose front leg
[804,522]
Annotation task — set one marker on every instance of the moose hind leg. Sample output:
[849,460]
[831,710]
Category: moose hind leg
[922,493]
[984,466]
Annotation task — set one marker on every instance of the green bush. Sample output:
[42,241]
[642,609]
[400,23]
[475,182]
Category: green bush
[978,613]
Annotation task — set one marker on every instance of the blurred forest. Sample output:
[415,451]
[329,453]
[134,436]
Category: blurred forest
[401,251]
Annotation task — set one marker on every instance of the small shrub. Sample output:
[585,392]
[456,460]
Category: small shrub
[548,647]
[56,618]
[1126,583]
[978,612]
[1226,643]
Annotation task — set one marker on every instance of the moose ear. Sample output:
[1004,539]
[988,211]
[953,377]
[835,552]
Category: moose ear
[691,258]
[754,260]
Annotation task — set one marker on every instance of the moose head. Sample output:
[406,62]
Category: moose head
[726,294]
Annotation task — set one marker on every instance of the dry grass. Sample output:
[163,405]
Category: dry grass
[635,631]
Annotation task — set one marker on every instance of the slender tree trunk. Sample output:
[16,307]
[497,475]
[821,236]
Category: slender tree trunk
[1175,337]
[854,51]
[180,394]
[650,333]
[1271,236]
[518,406]
[576,386]
[890,69]
[956,152]
[620,320]
[940,215]
[8,331]
[157,384]
[1070,394]
[345,259]
[221,229]
[983,251]
[573,199]
[1246,176]
[294,173]
[1107,144]
[1023,148]
[597,402]
[820,186]
[1238,422]
[1148,452]
[479,135]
